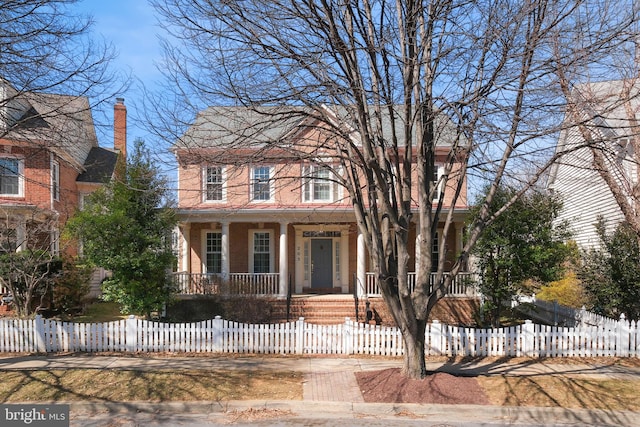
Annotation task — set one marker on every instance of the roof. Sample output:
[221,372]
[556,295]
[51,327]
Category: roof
[99,166]
[219,127]
[244,127]
[63,123]
[604,113]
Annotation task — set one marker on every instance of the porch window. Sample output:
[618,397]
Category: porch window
[214,184]
[213,253]
[261,183]
[318,185]
[11,176]
[261,252]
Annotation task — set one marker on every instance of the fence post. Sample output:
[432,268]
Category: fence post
[131,333]
[300,335]
[347,336]
[528,338]
[40,339]
[435,340]
[622,340]
[217,335]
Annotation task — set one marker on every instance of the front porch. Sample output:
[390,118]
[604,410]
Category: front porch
[269,285]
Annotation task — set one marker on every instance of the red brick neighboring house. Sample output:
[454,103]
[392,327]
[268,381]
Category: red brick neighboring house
[270,221]
[49,161]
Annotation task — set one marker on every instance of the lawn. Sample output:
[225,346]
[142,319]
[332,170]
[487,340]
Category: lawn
[203,385]
[154,386]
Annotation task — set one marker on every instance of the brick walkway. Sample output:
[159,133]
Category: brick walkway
[340,386]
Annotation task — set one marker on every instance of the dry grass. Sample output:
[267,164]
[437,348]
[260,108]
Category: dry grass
[201,385]
[562,391]
[156,386]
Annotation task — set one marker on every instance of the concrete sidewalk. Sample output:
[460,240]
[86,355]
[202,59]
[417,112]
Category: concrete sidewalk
[330,389]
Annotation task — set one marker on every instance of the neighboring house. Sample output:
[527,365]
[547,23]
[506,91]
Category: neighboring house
[606,127]
[49,161]
[270,219]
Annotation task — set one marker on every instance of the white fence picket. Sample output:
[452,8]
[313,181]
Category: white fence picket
[606,338]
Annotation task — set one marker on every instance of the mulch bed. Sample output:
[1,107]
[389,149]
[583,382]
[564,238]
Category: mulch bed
[391,386]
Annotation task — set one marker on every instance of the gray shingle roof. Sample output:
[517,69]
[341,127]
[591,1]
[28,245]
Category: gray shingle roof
[235,127]
[99,166]
[63,123]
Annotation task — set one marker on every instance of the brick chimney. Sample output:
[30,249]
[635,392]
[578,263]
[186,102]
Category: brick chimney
[120,127]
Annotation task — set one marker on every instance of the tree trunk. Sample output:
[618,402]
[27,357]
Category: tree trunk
[414,355]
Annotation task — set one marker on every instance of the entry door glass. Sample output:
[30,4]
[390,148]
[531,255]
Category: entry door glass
[321,263]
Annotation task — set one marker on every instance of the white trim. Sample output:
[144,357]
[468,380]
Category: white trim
[307,173]
[303,255]
[203,257]
[270,181]
[55,180]
[20,160]
[252,233]
[440,172]
[223,171]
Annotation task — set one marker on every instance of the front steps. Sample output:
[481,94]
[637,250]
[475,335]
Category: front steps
[332,309]
[319,309]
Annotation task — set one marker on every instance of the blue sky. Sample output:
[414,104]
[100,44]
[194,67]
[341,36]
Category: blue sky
[131,27]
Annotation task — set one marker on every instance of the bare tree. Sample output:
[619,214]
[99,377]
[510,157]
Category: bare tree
[28,265]
[46,48]
[395,83]
[606,135]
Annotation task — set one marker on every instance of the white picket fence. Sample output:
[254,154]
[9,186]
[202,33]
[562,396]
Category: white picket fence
[222,336]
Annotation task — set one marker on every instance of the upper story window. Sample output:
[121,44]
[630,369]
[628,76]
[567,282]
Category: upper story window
[318,185]
[11,181]
[55,180]
[261,183]
[436,176]
[214,180]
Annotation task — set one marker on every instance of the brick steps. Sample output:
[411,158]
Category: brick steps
[326,310]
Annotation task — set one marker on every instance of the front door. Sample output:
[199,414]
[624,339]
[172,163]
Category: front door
[321,263]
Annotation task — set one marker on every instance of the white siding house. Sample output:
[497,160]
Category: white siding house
[585,194]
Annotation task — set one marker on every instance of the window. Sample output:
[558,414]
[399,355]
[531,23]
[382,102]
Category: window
[436,179]
[261,252]
[435,252]
[55,180]
[214,183]
[318,185]
[10,176]
[260,183]
[55,242]
[213,253]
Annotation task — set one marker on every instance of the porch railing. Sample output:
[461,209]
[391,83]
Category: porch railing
[235,284]
[463,285]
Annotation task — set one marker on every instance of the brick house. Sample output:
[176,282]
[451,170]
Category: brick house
[271,221]
[49,161]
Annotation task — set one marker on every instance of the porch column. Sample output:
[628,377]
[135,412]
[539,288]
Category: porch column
[225,250]
[459,228]
[186,247]
[21,235]
[284,261]
[361,272]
